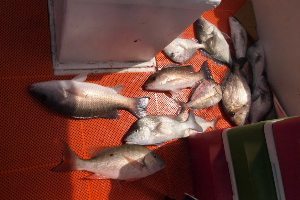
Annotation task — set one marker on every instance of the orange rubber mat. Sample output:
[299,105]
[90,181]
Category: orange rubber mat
[31,135]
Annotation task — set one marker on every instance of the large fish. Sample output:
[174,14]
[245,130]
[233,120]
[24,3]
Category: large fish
[181,50]
[79,99]
[152,130]
[125,162]
[236,98]
[262,98]
[175,78]
[213,40]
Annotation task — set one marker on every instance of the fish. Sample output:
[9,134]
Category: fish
[79,99]
[262,101]
[125,162]
[213,40]
[208,93]
[239,38]
[181,50]
[155,130]
[175,78]
[262,97]
[236,98]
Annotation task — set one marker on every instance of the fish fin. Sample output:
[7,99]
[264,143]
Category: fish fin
[140,163]
[189,132]
[118,88]
[76,92]
[206,71]
[68,162]
[192,121]
[94,176]
[140,107]
[210,31]
[161,129]
[80,77]
[183,113]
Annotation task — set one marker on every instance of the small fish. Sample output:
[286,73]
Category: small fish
[208,93]
[175,78]
[262,97]
[125,162]
[78,99]
[213,40]
[181,50]
[239,38]
[236,99]
[153,130]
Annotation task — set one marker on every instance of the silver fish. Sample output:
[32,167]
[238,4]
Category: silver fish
[236,99]
[239,38]
[213,40]
[175,78]
[79,99]
[262,102]
[181,50]
[262,98]
[152,130]
[125,162]
[256,57]
[208,93]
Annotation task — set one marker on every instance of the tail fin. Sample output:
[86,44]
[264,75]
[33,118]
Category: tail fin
[206,71]
[206,124]
[192,121]
[140,107]
[69,161]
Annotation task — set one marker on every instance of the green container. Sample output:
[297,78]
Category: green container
[248,158]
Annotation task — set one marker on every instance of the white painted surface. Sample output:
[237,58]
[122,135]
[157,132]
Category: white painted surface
[279,32]
[101,31]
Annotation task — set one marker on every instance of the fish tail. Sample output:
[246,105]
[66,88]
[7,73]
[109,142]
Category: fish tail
[193,122]
[206,71]
[140,107]
[70,161]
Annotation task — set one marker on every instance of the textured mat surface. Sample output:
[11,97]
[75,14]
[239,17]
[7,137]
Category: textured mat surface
[31,135]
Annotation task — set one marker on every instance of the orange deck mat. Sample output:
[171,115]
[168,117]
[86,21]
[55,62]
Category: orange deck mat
[31,135]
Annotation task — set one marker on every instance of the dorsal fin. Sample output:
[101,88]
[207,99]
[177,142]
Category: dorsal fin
[80,77]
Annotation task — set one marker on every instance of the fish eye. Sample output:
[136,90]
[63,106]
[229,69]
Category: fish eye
[231,114]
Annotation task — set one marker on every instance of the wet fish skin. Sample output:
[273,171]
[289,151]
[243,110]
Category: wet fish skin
[125,162]
[153,130]
[238,37]
[236,98]
[175,78]
[213,40]
[181,50]
[262,98]
[79,99]
[208,93]
[262,101]
[256,58]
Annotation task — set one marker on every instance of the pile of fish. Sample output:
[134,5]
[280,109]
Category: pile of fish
[244,101]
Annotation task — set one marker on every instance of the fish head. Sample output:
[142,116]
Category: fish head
[154,162]
[46,92]
[138,135]
[157,81]
[240,116]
